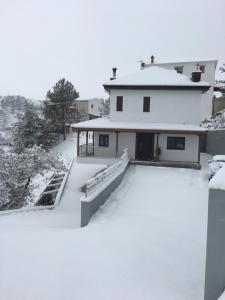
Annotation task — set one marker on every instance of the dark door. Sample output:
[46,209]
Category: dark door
[145,146]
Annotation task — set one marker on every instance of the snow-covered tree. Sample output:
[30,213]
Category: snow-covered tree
[17,171]
[58,105]
[31,130]
[106,106]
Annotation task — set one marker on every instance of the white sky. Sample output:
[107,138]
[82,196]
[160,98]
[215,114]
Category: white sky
[81,40]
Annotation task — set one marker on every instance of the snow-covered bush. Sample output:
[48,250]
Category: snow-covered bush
[17,170]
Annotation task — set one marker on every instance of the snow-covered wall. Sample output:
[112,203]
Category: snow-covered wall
[166,106]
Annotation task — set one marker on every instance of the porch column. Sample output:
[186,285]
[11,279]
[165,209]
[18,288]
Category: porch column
[199,139]
[93,141]
[116,143]
[86,142]
[78,143]
[157,146]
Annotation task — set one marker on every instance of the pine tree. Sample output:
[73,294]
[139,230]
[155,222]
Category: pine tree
[32,130]
[58,105]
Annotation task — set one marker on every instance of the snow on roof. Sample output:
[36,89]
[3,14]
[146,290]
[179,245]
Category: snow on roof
[217,94]
[183,60]
[218,180]
[155,76]
[105,123]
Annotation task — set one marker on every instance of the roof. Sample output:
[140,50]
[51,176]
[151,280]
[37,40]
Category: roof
[156,77]
[178,60]
[104,124]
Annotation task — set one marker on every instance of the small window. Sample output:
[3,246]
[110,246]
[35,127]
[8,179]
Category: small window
[202,68]
[175,143]
[179,69]
[119,103]
[146,104]
[92,105]
[103,140]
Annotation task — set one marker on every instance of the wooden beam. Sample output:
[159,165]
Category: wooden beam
[78,143]
[199,149]
[117,143]
[86,142]
[144,130]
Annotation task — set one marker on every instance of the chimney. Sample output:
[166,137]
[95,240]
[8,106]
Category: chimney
[114,73]
[152,59]
[196,75]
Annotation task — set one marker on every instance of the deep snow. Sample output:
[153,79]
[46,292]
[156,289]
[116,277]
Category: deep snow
[147,242]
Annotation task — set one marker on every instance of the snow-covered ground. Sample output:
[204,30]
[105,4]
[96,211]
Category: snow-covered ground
[147,242]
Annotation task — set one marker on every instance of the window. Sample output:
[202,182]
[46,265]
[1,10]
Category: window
[119,103]
[92,105]
[202,68]
[175,143]
[103,140]
[146,104]
[179,69]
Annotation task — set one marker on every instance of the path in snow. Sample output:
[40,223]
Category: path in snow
[147,242]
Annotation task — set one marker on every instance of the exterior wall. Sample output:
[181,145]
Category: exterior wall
[166,106]
[190,154]
[216,141]
[208,76]
[128,140]
[215,256]
[105,151]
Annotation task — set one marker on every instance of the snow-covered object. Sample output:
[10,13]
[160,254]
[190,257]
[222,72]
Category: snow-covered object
[218,181]
[217,121]
[217,94]
[106,123]
[96,184]
[156,76]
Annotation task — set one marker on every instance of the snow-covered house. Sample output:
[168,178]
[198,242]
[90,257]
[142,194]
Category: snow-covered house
[186,66]
[88,109]
[154,113]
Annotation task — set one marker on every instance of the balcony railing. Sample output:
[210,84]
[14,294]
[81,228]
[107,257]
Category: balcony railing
[86,150]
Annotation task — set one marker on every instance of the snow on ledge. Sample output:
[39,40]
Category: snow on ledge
[218,180]
[107,124]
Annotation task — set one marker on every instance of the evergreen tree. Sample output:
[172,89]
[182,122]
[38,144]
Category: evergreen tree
[58,106]
[31,130]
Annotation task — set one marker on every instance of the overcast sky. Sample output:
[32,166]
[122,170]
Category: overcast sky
[81,40]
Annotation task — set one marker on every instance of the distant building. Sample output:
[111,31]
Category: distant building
[88,109]
[218,102]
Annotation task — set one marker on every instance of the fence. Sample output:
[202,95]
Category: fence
[96,182]
[86,150]
[99,188]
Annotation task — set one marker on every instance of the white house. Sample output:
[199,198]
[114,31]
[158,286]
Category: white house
[186,66]
[155,113]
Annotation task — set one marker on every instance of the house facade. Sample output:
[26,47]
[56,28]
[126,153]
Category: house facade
[186,67]
[154,113]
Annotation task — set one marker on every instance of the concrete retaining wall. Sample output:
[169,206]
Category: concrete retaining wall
[89,208]
[215,256]
[216,141]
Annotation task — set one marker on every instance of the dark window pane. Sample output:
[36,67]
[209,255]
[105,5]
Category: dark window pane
[146,104]
[175,143]
[119,103]
[103,140]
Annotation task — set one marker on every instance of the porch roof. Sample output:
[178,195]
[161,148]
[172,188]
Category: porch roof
[104,124]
